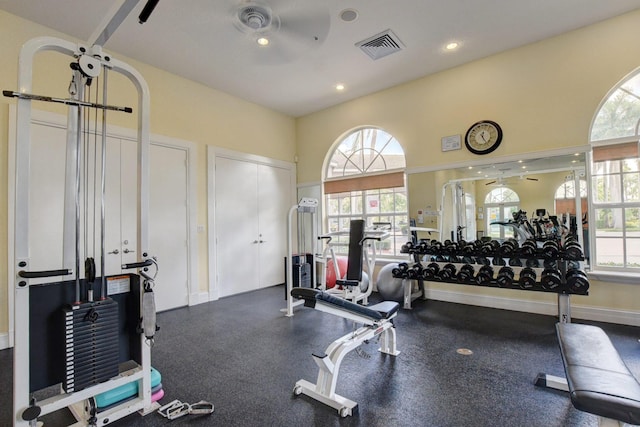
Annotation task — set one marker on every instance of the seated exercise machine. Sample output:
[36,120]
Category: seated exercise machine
[377,321]
[351,287]
[597,379]
[305,271]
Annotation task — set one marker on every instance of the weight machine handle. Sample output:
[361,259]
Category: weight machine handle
[145,263]
[328,238]
[45,273]
[370,238]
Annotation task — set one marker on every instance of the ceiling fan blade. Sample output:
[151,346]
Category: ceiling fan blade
[491,182]
[532,179]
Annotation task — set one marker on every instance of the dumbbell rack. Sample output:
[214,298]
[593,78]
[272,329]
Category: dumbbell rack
[447,260]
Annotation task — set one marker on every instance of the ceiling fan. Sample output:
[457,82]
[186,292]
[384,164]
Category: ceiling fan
[279,31]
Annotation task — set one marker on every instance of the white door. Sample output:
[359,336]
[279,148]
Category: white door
[237,242]
[168,225]
[252,202]
[274,202]
[167,219]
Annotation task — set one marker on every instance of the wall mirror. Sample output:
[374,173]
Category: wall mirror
[467,202]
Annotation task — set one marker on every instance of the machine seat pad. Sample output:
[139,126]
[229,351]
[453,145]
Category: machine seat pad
[599,381]
[386,308]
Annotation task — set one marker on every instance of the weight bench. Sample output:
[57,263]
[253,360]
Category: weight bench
[377,320]
[597,379]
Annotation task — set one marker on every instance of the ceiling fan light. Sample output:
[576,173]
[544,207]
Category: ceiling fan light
[339,87]
[262,41]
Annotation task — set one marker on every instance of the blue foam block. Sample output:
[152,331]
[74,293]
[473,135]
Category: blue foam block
[125,391]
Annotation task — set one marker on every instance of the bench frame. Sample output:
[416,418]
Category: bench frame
[376,324]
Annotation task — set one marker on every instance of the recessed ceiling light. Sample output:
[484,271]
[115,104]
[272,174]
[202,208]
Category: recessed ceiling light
[519,161]
[349,15]
[339,87]
[263,41]
[452,46]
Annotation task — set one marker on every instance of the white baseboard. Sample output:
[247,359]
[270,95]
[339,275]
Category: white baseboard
[4,341]
[597,314]
[199,298]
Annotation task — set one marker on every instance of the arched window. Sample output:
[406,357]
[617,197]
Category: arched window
[364,178]
[499,205]
[565,199]
[615,177]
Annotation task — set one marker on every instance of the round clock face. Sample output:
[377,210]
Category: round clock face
[483,137]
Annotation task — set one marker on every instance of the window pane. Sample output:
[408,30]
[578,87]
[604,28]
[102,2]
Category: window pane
[333,204]
[618,116]
[631,187]
[373,203]
[607,189]
[610,252]
[608,222]
[387,202]
[400,200]
[604,168]
[345,205]
[356,204]
[334,225]
[632,221]
[633,251]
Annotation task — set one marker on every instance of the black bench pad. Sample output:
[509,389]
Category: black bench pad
[379,311]
[599,381]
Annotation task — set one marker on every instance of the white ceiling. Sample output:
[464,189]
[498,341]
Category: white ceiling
[296,74]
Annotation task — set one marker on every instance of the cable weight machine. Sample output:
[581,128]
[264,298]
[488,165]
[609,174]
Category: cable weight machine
[91,346]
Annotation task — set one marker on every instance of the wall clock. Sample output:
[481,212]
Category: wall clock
[483,137]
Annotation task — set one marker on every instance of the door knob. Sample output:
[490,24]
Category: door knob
[127,251]
[115,252]
[255,241]
[262,241]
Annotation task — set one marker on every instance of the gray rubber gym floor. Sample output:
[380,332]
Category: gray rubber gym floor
[243,355]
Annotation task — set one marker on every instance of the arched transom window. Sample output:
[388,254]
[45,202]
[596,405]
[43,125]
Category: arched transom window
[364,178]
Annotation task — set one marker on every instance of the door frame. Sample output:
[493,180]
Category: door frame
[214,152]
[59,120]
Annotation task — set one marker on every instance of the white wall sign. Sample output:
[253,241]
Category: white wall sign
[451,142]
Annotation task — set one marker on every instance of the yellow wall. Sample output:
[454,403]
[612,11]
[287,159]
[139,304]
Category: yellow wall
[179,108]
[543,95]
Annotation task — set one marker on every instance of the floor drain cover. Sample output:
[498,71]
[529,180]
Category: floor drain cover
[464,351]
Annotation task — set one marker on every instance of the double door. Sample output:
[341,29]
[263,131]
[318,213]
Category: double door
[168,224]
[251,205]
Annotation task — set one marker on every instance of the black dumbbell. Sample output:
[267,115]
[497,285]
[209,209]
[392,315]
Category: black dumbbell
[573,250]
[550,263]
[509,246]
[448,272]
[415,272]
[529,247]
[406,248]
[483,261]
[550,249]
[478,244]
[577,281]
[532,263]
[527,278]
[466,273]
[436,247]
[550,279]
[451,247]
[431,272]
[505,277]
[485,275]
[515,262]
[498,261]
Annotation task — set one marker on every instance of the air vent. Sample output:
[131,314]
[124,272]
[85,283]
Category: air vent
[381,45]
